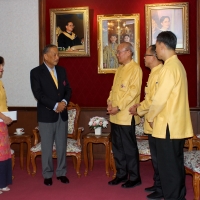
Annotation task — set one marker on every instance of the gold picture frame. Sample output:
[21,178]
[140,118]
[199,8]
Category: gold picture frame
[121,27]
[168,16]
[79,18]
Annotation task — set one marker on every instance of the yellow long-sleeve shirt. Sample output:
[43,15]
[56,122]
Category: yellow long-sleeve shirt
[150,90]
[125,92]
[3,99]
[170,102]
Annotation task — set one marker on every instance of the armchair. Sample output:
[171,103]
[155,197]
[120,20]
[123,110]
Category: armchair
[73,142]
[192,163]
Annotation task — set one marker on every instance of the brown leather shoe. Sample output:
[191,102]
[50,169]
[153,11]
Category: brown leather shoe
[63,179]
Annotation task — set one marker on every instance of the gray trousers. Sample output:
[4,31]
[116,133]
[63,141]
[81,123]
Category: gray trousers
[50,132]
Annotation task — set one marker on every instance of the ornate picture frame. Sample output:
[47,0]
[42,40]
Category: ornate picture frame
[168,16]
[75,43]
[113,30]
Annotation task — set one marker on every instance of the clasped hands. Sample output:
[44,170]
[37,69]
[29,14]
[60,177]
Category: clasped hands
[112,110]
[61,106]
[133,109]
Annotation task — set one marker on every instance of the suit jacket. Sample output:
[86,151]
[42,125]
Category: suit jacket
[170,103]
[47,94]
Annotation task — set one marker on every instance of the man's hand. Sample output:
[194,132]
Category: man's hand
[61,106]
[109,107]
[114,111]
[151,124]
[133,109]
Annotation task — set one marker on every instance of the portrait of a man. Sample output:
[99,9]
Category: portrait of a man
[67,39]
[70,32]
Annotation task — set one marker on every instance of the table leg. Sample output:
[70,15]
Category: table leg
[91,156]
[21,155]
[28,155]
[107,158]
[85,157]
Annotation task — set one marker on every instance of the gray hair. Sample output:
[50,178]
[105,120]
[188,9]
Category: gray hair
[129,47]
[49,46]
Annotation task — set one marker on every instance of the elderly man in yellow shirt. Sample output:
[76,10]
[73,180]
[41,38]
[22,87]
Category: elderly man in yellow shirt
[169,115]
[125,93]
[155,65]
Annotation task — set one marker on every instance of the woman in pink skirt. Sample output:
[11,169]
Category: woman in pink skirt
[5,155]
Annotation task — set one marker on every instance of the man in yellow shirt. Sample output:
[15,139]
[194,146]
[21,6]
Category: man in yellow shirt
[155,65]
[169,116]
[125,93]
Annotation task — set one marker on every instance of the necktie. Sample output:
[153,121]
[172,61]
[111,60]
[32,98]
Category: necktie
[54,78]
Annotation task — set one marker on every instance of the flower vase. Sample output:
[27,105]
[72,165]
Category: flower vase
[98,131]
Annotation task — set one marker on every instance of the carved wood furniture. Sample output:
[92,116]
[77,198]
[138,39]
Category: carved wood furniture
[21,139]
[90,139]
[73,142]
[192,164]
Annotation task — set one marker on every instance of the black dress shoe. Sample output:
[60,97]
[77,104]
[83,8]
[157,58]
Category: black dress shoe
[155,195]
[150,189]
[48,181]
[130,184]
[63,179]
[117,180]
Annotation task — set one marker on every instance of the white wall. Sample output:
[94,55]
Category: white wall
[19,36]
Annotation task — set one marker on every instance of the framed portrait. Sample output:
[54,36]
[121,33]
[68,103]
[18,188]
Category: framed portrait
[69,30]
[168,17]
[113,30]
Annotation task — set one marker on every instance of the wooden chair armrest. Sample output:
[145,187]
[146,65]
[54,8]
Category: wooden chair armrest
[36,136]
[80,130]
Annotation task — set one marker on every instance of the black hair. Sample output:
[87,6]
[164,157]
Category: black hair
[168,38]
[2,60]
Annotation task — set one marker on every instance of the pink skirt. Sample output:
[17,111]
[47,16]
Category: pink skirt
[4,142]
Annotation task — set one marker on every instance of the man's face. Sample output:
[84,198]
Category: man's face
[165,24]
[70,27]
[113,39]
[159,50]
[51,57]
[148,58]
[122,54]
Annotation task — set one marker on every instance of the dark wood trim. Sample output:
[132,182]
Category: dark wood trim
[198,53]
[42,28]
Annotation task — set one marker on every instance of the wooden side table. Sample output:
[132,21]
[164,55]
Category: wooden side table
[91,138]
[21,139]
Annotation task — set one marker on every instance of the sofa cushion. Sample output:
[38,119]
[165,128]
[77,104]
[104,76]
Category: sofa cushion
[72,146]
[192,160]
[143,147]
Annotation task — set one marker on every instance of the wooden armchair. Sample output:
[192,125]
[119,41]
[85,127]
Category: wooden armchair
[73,141]
[192,163]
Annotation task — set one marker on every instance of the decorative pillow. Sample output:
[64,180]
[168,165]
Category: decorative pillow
[143,147]
[71,118]
[139,129]
[192,160]
[72,146]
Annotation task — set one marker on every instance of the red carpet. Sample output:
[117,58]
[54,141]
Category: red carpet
[92,187]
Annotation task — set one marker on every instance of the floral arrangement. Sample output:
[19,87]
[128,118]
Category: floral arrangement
[96,122]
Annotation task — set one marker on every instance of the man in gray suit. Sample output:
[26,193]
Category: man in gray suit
[52,90]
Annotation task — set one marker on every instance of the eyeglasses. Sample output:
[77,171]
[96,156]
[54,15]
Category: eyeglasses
[119,52]
[71,25]
[148,55]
